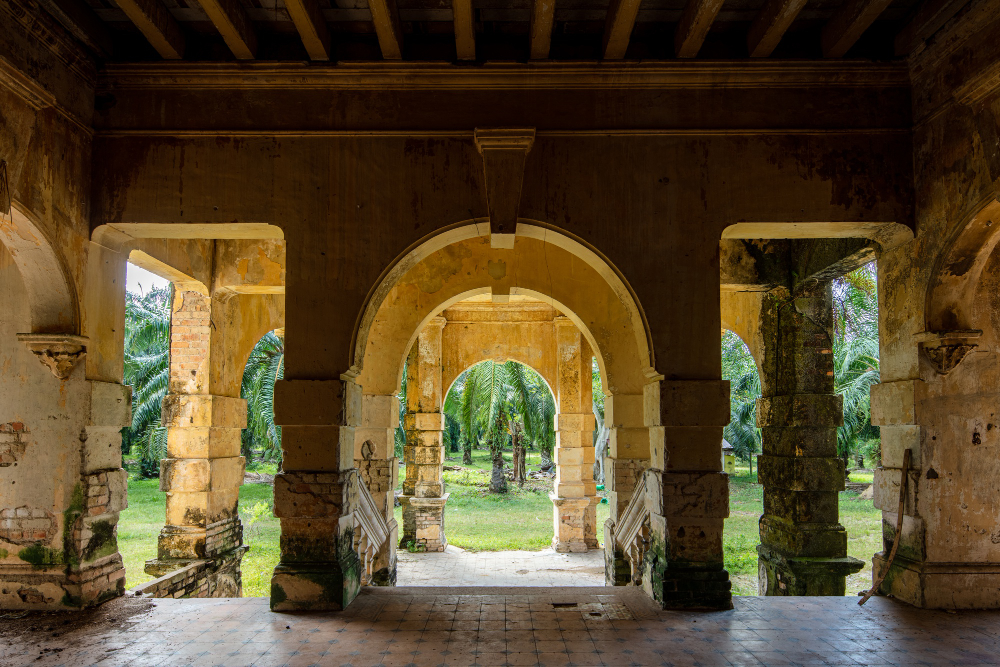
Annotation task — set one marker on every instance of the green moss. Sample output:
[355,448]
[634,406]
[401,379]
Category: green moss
[102,543]
[278,595]
[41,556]
[77,505]
[3,553]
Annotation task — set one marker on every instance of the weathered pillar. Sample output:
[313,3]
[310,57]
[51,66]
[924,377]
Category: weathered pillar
[627,461]
[803,549]
[374,449]
[574,495]
[687,494]
[423,496]
[203,470]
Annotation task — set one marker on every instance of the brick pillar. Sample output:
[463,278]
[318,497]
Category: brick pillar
[803,549]
[374,449]
[319,568]
[423,496]
[687,493]
[574,494]
[203,470]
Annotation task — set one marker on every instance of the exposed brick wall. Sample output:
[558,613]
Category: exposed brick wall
[223,536]
[27,525]
[211,578]
[190,335]
[377,474]
[13,441]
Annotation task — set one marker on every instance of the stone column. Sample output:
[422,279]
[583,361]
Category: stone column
[203,470]
[687,494]
[803,549]
[574,495]
[627,461]
[423,496]
[319,568]
[374,449]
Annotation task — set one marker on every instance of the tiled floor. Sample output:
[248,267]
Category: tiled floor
[529,626]
[455,567]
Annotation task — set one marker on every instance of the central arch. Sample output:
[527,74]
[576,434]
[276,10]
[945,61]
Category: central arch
[404,310]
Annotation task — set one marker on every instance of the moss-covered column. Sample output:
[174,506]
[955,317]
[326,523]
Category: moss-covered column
[374,457]
[575,493]
[687,494]
[314,495]
[803,549]
[203,470]
[423,496]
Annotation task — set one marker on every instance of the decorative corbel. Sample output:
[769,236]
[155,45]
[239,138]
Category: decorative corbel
[945,350]
[504,151]
[60,353]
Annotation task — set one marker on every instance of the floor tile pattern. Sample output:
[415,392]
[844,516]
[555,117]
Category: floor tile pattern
[456,567]
[529,626]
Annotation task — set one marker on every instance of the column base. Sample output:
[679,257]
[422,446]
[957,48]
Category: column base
[216,577]
[940,585]
[570,524]
[48,587]
[423,523]
[803,575]
[314,586]
[617,571]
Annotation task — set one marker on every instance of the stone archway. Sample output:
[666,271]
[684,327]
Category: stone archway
[403,315]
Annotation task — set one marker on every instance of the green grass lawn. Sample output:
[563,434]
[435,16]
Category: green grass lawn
[479,521]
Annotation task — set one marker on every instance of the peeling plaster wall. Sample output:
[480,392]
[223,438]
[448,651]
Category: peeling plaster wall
[43,478]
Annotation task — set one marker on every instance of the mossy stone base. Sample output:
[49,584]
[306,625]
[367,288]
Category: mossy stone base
[803,575]
[314,587]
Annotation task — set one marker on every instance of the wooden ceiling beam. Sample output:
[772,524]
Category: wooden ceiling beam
[694,26]
[232,22]
[929,18]
[83,23]
[770,26]
[309,22]
[543,17]
[157,24]
[385,16]
[465,29]
[848,24]
[618,27]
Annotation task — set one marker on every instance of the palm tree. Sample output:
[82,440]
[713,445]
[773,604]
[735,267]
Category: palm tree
[856,356]
[499,403]
[147,371]
[739,368]
[602,434]
[265,366]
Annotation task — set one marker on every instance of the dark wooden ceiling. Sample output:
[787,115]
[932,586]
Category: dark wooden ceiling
[500,30]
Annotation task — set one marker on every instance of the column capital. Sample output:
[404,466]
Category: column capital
[437,321]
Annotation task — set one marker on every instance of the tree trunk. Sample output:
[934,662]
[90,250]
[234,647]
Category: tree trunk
[518,456]
[467,452]
[498,483]
[600,451]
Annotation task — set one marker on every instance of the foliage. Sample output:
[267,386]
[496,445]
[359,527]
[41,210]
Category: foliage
[855,358]
[399,435]
[147,371]
[265,366]
[501,401]
[740,369]
[602,433]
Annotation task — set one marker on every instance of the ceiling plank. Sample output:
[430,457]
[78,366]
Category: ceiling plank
[232,22]
[770,26]
[309,21]
[83,23]
[694,25]
[465,29]
[848,24]
[390,33]
[618,27]
[930,18]
[157,24]
[543,16]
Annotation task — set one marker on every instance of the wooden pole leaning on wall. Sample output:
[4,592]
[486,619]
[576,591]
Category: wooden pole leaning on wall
[904,473]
